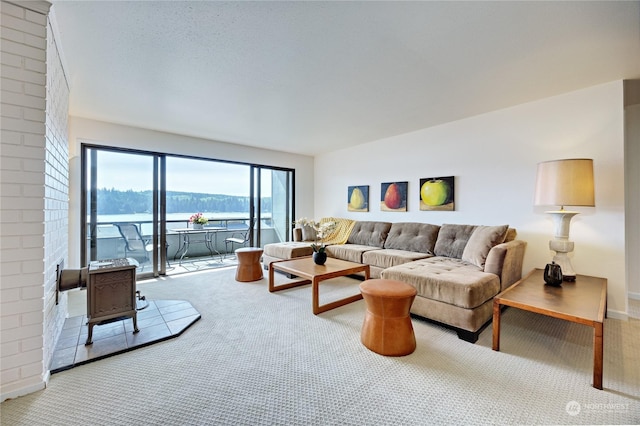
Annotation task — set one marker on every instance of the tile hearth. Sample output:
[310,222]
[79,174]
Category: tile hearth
[160,320]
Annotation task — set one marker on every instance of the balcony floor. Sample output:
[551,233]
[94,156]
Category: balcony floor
[191,264]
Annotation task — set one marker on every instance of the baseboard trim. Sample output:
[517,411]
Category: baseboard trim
[617,315]
[634,296]
[26,390]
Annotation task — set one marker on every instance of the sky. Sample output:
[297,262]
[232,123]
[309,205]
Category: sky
[125,171]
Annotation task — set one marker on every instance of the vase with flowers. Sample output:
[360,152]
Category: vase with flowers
[198,220]
[322,230]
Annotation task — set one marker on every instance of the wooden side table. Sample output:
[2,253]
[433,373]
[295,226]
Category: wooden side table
[387,328]
[583,301]
[249,268]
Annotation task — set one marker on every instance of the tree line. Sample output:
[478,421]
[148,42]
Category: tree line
[113,201]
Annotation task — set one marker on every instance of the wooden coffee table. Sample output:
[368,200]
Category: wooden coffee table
[583,301]
[304,267]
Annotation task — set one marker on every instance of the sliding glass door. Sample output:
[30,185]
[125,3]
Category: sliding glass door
[273,197]
[121,207]
[139,204]
[218,191]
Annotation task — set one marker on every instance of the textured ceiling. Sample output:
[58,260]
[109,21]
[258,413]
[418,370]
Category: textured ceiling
[309,77]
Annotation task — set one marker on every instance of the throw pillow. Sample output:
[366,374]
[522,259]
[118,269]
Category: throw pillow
[483,239]
[308,233]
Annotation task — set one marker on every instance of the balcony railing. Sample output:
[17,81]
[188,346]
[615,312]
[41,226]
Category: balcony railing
[110,243]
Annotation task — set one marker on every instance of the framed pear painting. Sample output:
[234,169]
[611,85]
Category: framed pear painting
[393,197]
[358,198]
[437,193]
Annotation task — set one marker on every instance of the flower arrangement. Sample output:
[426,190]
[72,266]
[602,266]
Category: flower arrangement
[323,230]
[198,219]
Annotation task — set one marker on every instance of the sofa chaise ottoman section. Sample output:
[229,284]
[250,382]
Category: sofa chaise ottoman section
[453,317]
[451,292]
[379,260]
[456,287]
[285,250]
[448,280]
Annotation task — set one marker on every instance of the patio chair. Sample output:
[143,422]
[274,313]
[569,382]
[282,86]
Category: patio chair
[241,238]
[135,245]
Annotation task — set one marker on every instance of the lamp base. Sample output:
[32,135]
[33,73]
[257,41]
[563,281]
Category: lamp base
[561,244]
[562,258]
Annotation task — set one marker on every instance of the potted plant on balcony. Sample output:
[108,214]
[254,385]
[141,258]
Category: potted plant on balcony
[198,220]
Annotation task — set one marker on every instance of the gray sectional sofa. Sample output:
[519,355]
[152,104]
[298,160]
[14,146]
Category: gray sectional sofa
[456,269]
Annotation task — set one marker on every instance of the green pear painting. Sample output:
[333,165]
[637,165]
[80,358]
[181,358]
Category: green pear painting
[358,198]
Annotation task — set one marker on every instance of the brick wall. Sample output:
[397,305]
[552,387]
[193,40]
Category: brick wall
[33,194]
[56,192]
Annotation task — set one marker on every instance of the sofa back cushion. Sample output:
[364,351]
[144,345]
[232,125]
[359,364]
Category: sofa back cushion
[483,239]
[410,236]
[369,233]
[452,240]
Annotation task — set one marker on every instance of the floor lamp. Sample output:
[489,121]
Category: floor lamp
[564,183]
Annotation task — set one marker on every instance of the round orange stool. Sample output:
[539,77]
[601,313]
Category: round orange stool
[387,327]
[249,268]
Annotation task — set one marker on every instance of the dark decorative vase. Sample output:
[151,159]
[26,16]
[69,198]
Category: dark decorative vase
[553,274]
[319,258]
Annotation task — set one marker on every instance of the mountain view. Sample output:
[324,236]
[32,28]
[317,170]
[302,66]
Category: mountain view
[113,201]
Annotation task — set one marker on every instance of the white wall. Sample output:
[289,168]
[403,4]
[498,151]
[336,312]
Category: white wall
[83,130]
[493,158]
[632,157]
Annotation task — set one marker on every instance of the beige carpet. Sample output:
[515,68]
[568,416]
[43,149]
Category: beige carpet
[260,358]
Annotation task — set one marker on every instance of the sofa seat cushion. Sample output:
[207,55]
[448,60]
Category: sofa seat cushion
[386,258]
[348,252]
[288,250]
[447,280]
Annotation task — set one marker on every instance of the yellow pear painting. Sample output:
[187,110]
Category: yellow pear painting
[358,198]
